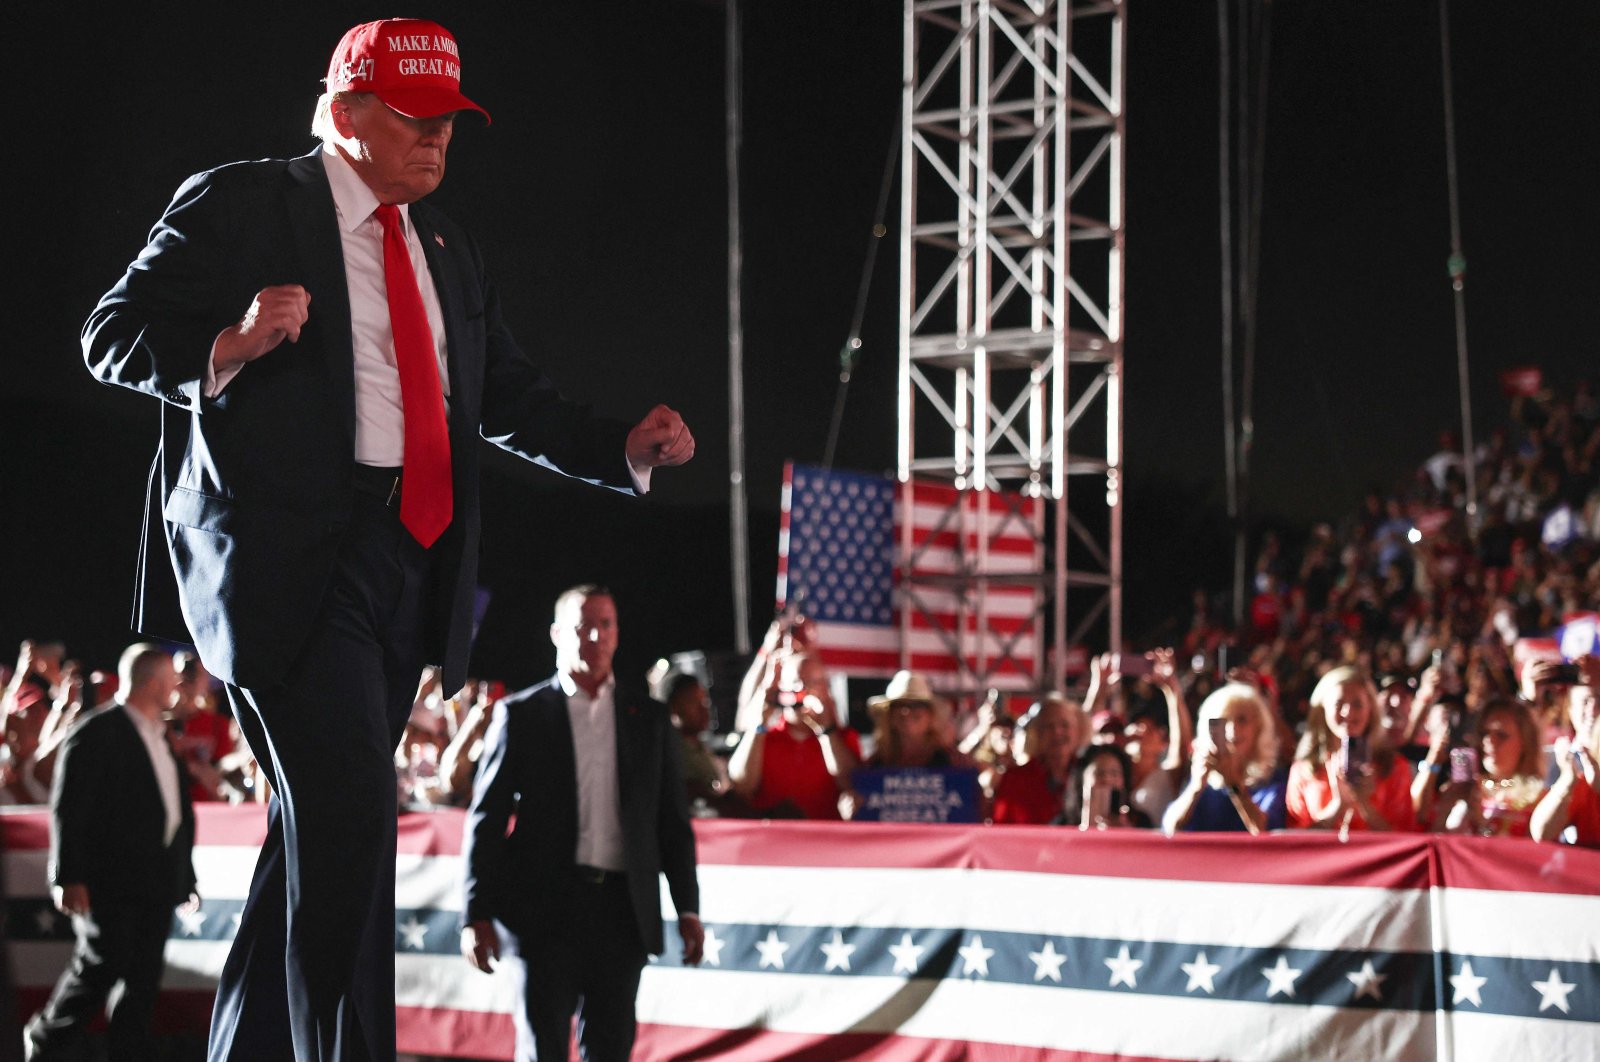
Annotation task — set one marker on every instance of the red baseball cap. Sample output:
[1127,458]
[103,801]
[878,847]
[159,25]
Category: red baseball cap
[410,64]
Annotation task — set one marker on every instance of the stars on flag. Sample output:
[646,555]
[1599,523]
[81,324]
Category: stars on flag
[838,953]
[1553,992]
[771,950]
[975,957]
[191,921]
[414,934]
[1280,978]
[841,546]
[711,949]
[45,919]
[907,954]
[1368,982]
[1201,974]
[1466,985]
[1124,970]
[875,952]
[1047,962]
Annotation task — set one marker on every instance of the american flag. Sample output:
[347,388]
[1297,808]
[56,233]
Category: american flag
[830,941]
[840,562]
[1023,943]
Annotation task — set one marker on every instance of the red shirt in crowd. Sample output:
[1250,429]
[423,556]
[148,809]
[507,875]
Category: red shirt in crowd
[1583,814]
[1310,792]
[1266,615]
[794,772]
[206,737]
[1507,811]
[1025,796]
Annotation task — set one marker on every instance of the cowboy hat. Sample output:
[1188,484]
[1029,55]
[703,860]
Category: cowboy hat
[907,687]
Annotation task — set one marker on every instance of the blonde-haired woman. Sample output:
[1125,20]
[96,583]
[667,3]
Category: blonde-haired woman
[1234,782]
[1345,776]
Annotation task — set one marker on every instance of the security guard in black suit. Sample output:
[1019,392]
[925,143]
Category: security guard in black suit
[590,769]
[121,844]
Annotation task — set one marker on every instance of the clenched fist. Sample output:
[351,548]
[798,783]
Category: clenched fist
[275,314]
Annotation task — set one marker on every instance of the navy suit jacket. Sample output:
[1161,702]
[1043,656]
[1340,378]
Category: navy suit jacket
[107,820]
[529,771]
[250,493]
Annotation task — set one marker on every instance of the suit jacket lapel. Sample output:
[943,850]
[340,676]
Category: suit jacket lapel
[563,758]
[146,769]
[460,357]
[320,251]
[626,713]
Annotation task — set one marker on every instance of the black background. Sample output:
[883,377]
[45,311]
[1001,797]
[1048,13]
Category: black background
[598,195]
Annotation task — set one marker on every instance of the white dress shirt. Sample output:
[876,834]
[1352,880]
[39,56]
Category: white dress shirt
[153,732]
[594,747]
[380,414]
[380,410]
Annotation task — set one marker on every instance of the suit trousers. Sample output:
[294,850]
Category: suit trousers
[119,942]
[310,976]
[585,964]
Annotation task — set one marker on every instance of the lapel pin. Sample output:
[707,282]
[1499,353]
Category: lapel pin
[438,239]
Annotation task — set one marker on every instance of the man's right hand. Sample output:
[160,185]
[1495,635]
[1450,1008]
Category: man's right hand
[481,945]
[277,313]
[71,899]
[1103,672]
[1536,676]
[815,713]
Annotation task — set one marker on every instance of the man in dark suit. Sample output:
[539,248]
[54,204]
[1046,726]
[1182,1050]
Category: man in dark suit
[316,491]
[589,767]
[121,838]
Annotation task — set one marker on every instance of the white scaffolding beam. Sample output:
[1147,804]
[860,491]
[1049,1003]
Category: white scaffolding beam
[1011,308]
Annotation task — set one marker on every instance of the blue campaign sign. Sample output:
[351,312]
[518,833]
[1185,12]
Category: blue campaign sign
[916,794]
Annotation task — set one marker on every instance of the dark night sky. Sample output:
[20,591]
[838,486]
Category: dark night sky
[598,197]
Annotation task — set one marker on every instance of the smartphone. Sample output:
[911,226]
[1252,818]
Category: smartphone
[1566,675]
[1356,755]
[1099,804]
[1133,665]
[1115,802]
[1463,765]
[1219,734]
[1449,680]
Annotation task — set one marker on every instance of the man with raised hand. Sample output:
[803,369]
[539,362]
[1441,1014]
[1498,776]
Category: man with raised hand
[327,350]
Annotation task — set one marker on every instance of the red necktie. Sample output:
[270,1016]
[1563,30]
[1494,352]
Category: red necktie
[425,492]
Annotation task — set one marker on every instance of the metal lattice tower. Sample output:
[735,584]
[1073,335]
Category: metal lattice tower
[1011,314]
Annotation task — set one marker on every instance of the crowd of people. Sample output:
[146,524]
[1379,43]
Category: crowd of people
[1398,672]
[1394,673]
[1418,668]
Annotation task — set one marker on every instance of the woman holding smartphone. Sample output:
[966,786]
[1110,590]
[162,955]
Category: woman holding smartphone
[1097,795]
[1234,784]
[1493,781]
[1345,776]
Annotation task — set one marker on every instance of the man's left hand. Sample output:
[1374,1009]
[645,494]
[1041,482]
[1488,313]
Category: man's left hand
[661,438]
[694,938]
